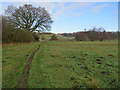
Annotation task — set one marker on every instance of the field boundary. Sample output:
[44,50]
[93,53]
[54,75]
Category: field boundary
[22,81]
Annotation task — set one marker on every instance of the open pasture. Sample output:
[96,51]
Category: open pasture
[63,64]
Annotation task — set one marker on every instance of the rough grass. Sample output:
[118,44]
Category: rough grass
[14,58]
[75,65]
[62,64]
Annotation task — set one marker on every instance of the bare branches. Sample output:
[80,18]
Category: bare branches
[29,18]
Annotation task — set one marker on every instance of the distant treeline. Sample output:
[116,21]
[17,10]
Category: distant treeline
[68,34]
[46,33]
[93,35]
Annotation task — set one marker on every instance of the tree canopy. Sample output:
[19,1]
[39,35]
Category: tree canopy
[29,18]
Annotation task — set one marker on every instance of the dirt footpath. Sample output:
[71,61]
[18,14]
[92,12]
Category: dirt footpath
[22,82]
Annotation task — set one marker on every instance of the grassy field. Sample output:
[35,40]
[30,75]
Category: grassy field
[60,37]
[14,59]
[63,64]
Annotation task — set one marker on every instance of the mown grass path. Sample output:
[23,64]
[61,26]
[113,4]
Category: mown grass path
[22,82]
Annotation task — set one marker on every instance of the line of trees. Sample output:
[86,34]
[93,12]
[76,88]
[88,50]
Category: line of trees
[96,34]
[23,24]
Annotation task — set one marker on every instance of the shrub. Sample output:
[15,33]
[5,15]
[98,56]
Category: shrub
[7,31]
[93,35]
[43,38]
[22,36]
[96,34]
[13,35]
[36,36]
[53,37]
[81,37]
[17,36]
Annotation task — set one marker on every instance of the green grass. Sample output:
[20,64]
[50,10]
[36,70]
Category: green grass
[15,59]
[59,37]
[63,64]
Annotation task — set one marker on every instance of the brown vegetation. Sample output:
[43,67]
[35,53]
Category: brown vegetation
[96,34]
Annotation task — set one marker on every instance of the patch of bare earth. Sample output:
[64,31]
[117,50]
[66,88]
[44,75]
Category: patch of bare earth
[22,81]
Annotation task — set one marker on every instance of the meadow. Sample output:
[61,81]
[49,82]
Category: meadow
[59,37]
[62,64]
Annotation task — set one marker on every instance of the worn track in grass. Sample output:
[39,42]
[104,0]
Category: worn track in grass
[22,82]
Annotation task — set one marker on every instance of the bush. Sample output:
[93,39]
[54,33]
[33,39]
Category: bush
[13,35]
[96,34]
[81,37]
[43,38]
[93,35]
[17,36]
[36,36]
[22,36]
[7,36]
[7,31]
[53,37]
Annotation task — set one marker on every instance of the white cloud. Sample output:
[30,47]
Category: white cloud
[61,4]
[98,8]
[57,14]
[68,10]
[49,6]
[74,14]
[80,5]
[58,9]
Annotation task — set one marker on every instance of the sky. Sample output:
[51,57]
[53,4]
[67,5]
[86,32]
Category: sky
[71,17]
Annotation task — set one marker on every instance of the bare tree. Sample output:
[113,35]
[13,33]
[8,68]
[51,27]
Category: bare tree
[29,18]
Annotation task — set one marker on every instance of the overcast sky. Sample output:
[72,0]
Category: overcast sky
[75,16]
